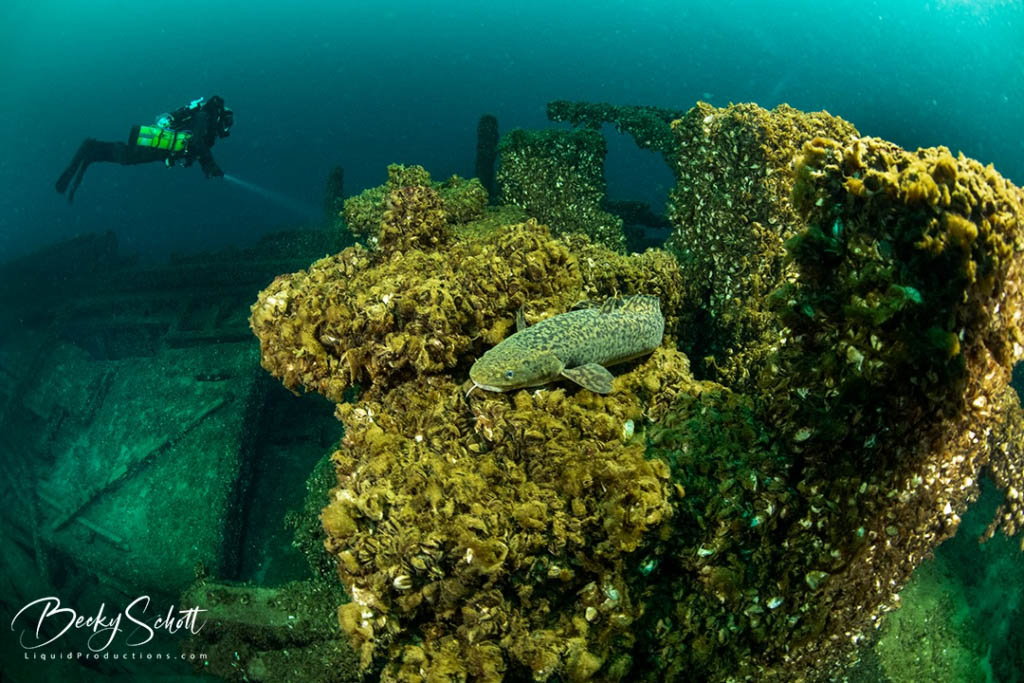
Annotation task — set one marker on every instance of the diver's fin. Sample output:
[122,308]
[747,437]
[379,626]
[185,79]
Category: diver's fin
[520,320]
[77,181]
[69,173]
[591,376]
[65,178]
[71,178]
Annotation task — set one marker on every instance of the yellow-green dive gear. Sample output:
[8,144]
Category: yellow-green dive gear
[173,141]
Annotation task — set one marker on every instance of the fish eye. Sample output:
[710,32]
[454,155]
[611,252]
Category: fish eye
[508,374]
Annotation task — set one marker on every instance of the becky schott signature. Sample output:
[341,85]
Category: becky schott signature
[103,625]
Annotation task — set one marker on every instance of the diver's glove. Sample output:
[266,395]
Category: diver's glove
[212,170]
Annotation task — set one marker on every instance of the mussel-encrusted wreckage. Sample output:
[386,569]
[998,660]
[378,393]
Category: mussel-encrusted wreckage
[852,312]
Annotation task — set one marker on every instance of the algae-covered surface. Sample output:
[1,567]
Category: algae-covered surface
[841,321]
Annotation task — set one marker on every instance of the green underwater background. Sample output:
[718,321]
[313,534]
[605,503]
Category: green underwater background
[238,435]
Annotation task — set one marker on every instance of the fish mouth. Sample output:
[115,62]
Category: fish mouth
[485,387]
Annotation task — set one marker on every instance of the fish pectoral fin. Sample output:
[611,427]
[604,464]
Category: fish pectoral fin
[591,376]
[520,320]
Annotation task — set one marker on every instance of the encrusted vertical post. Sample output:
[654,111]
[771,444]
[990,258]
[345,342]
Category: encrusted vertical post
[487,153]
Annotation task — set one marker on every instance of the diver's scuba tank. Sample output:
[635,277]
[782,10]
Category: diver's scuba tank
[162,134]
[173,141]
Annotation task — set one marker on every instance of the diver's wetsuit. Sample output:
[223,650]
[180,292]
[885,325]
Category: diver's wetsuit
[206,122]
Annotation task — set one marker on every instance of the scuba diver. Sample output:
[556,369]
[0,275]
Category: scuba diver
[179,138]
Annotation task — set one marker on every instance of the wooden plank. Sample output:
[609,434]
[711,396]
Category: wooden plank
[130,470]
